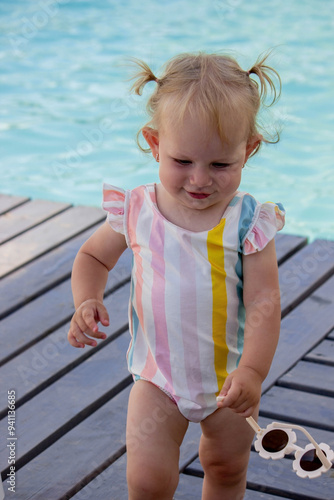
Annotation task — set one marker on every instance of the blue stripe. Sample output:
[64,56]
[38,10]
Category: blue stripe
[241,307]
[246,217]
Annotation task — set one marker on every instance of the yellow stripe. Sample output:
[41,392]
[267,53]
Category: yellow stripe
[219,301]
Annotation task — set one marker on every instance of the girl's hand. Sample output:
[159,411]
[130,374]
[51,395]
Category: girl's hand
[84,323]
[241,391]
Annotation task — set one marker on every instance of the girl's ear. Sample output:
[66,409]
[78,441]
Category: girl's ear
[252,144]
[151,136]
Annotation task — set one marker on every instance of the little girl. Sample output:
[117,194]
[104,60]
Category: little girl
[204,309]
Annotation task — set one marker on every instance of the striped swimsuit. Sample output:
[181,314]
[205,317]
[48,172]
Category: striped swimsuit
[186,310]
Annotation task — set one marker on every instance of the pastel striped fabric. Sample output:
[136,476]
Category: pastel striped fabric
[186,311]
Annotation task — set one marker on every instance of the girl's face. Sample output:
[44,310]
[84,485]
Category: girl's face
[197,171]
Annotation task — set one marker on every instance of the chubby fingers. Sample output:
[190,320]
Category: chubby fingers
[84,325]
[239,399]
[79,336]
[244,409]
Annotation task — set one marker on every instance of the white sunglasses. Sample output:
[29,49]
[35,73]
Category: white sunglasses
[278,439]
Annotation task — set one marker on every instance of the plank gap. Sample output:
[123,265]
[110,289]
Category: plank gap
[305,388]
[9,202]
[308,294]
[303,242]
[94,474]
[35,224]
[295,420]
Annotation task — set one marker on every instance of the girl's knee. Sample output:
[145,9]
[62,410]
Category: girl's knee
[227,470]
[152,481]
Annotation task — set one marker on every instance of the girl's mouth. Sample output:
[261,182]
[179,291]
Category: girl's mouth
[198,196]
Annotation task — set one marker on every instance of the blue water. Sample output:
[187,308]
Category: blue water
[68,123]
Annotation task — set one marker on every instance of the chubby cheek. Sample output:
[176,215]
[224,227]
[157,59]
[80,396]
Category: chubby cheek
[170,177]
[225,178]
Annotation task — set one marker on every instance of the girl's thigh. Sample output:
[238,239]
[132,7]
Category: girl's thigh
[226,438]
[155,428]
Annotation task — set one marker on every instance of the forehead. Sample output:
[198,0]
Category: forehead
[229,119]
[193,137]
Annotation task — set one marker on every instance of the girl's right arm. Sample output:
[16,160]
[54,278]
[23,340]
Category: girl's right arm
[97,256]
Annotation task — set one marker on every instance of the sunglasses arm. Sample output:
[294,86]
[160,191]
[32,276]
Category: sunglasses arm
[322,457]
[254,425]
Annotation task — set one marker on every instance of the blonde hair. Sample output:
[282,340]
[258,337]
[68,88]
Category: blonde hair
[210,87]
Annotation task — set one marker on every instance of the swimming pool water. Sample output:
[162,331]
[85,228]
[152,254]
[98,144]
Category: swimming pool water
[68,123]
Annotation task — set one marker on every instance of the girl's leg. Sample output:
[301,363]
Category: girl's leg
[224,453]
[155,430]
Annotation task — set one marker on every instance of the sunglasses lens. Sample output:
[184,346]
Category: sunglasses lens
[275,441]
[310,461]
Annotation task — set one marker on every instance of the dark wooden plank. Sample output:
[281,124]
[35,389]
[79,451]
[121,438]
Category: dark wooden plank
[39,240]
[258,495]
[51,357]
[287,245]
[302,330]
[323,353]
[25,284]
[26,216]
[298,407]
[8,202]
[19,331]
[304,272]
[90,447]
[35,320]
[111,483]
[310,377]
[276,477]
[190,488]
[69,399]
[40,275]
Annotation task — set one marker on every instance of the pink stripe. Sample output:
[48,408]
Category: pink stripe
[257,240]
[136,205]
[113,195]
[162,353]
[150,368]
[189,330]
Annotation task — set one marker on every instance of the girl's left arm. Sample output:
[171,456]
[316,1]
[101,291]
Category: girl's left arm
[261,295]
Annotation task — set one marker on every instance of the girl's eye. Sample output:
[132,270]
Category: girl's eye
[221,165]
[183,162]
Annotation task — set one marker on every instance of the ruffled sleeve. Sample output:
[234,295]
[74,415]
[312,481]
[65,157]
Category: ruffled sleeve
[268,219]
[114,204]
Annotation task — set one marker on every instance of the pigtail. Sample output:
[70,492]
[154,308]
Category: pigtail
[264,72]
[142,77]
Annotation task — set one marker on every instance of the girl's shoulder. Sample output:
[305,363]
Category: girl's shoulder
[116,202]
[258,222]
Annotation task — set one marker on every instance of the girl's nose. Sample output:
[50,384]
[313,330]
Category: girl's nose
[200,177]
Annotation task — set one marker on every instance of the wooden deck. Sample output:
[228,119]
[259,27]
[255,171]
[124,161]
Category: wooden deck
[71,403]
